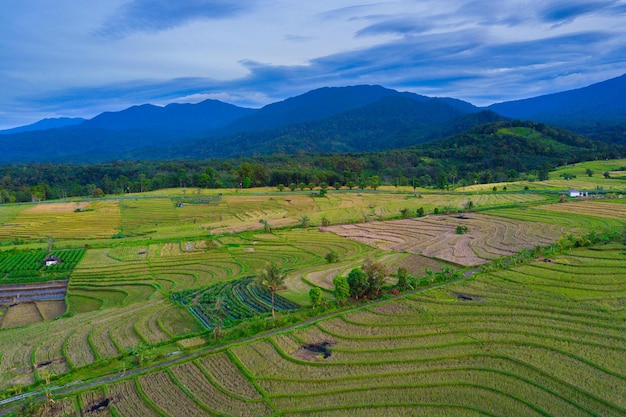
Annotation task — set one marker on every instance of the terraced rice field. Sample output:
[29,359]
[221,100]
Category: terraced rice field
[81,339]
[487,237]
[542,339]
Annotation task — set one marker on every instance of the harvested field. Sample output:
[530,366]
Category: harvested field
[530,340]
[601,208]
[485,237]
[44,208]
[21,315]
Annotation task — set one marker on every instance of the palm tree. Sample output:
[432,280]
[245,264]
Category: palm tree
[273,278]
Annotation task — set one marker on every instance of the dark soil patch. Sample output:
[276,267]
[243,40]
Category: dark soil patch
[465,297]
[99,406]
[320,348]
[42,364]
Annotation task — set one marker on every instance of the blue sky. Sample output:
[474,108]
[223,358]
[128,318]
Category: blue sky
[77,58]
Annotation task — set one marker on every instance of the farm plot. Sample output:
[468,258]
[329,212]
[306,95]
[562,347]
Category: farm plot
[28,265]
[98,219]
[492,345]
[495,345]
[484,237]
[81,339]
[590,208]
[225,303]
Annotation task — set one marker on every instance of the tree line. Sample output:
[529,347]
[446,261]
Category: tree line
[505,151]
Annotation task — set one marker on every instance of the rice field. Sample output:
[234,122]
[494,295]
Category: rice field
[540,339]
[84,338]
[98,219]
[484,237]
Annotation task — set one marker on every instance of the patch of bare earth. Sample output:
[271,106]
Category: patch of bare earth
[485,238]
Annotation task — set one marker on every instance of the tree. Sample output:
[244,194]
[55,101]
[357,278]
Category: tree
[304,221]
[589,172]
[281,187]
[336,185]
[272,278]
[342,289]
[469,206]
[357,280]
[405,213]
[376,273]
[331,257]
[316,296]
[293,186]
[374,182]
[420,212]
[403,279]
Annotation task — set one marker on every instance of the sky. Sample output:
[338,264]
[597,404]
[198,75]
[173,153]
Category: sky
[77,58]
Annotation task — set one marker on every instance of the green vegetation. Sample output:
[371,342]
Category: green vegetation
[501,319]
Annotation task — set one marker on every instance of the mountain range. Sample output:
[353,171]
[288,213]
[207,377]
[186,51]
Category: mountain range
[340,119]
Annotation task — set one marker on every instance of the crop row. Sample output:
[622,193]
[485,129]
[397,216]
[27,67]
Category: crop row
[224,303]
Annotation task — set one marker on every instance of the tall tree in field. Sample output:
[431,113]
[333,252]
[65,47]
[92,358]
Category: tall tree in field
[357,280]
[273,278]
[376,273]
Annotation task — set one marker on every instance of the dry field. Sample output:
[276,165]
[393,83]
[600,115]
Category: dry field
[602,208]
[486,238]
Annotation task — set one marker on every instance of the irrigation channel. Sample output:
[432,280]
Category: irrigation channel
[7,406]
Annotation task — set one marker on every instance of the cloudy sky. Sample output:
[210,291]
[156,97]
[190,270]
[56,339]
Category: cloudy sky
[77,58]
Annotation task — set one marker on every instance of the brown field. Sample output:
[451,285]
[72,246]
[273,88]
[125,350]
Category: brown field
[42,208]
[51,309]
[21,315]
[486,238]
[590,208]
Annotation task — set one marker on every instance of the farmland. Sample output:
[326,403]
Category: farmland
[144,275]
[537,339]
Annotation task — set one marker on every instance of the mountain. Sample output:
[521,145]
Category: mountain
[45,124]
[597,111]
[395,120]
[318,120]
[109,135]
[338,119]
[175,118]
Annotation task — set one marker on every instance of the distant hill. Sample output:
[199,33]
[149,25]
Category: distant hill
[595,110]
[175,118]
[393,121]
[318,120]
[44,125]
[517,145]
[339,119]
